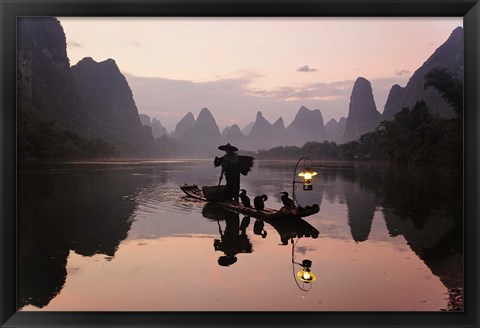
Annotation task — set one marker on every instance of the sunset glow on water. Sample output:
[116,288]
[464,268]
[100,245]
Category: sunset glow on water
[143,246]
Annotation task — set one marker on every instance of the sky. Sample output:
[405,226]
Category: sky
[238,66]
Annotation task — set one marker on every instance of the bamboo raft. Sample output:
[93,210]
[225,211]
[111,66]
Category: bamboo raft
[265,214]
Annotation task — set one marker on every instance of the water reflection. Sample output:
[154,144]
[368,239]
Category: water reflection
[433,222]
[233,238]
[92,211]
[86,213]
[361,209]
[424,206]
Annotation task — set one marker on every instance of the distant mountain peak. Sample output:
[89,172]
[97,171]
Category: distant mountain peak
[205,115]
[362,112]
[108,66]
[335,130]
[234,133]
[278,125]
[307,125]
[110,61]
[204,111]
[186,123]
[331,121]
[449,55]
[204,126]
[246,130]
[86,60]
[456,33]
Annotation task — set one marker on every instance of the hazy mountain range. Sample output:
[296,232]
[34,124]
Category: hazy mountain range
[363,116]
[91,105]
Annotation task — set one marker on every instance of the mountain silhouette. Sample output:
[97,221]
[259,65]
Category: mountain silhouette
[108,101]
[450,56]
[185,124]
[335,130]
[84,111]
[362,113]
[306,126]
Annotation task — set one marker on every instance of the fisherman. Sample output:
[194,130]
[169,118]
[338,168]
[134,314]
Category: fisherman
[230,168]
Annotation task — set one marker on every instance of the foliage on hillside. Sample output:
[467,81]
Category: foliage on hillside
[46,140]
[415,136]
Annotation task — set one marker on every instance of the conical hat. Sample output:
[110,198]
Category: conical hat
[228,147]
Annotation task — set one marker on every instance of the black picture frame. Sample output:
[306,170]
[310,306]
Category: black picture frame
[10,9]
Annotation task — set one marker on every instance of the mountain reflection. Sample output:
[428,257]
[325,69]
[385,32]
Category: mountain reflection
[86,213]
[361,208]
[425,206]
[433,226]
[90,211]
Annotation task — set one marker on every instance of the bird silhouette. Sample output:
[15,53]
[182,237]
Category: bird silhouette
[244,198]
[287,201]
[259,202]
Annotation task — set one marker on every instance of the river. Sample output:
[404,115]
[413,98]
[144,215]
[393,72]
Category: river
[121,236]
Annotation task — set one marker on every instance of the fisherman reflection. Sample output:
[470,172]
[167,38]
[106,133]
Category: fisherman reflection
[233,240]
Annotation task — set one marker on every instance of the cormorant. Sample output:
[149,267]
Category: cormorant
[244,198]
[288,202]
[259,202]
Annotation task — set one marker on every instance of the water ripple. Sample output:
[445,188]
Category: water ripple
[163,199]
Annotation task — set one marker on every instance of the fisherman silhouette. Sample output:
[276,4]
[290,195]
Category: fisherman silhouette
[232,166]
[232,173]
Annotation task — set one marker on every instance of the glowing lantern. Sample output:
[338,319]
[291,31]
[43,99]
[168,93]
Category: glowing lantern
[306,275]
[307,175]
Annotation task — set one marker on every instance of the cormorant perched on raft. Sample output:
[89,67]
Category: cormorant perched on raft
[288,202]
[259,202]
[244,198]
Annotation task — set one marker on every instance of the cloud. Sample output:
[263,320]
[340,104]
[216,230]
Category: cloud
[402,72]
[306,69]
[318,91]
[248,74]
[235,101]
[74,44]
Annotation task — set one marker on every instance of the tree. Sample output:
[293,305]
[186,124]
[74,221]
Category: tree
[449,86]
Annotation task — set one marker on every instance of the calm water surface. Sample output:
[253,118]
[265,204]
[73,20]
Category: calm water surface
[122,236]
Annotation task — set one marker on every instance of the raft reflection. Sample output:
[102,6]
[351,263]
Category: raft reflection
[408,233]
[234,239]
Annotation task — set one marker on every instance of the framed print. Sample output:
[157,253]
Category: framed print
[225,163]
